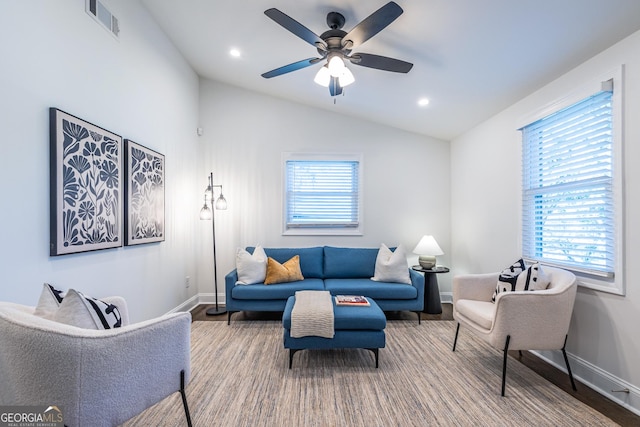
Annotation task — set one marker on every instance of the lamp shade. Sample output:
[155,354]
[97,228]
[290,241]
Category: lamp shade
[346,77]
[428,246]
[221,203]
[323,77]
[205,212]
[336,66]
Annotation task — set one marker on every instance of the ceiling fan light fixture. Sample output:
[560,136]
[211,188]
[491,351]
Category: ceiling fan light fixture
[346,78]
[323,76]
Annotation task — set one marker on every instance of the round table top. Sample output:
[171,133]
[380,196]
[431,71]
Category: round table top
[436,269]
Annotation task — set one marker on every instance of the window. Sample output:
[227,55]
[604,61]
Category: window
[322,194]
[570,190]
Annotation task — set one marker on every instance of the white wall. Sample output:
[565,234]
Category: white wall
[406,185]
[55,55]
[486,166]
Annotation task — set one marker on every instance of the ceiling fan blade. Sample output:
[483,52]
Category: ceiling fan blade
[372,25]
[290,67]
[380,62]
[294,26]
[334,87]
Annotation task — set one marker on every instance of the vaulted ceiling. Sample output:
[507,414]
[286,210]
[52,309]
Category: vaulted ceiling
[471,58]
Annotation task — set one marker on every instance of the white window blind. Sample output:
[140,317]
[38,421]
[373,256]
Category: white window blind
[322,194]
[568,189]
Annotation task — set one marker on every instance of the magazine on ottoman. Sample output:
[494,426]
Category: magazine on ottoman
[354,300]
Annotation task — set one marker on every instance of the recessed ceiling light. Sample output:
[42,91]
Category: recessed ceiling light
[235,53]
[423,102]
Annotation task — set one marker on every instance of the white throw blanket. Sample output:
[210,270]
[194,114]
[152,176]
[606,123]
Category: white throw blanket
[312,315]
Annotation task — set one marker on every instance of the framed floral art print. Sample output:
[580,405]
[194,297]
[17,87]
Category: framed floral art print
[85,185]
[144,187]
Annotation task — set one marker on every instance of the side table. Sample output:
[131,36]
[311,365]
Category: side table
[432,303]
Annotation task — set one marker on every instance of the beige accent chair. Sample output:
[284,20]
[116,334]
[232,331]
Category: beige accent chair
[519,320]
[96,377]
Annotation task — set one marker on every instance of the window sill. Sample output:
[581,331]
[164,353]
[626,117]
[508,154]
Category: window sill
[612,286]
[322,232]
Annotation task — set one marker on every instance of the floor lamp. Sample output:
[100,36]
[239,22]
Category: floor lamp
[207,213]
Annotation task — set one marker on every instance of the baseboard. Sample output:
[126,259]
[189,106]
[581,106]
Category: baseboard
[210,298]
[187,305]
[616,389]
[446,297]
[196,300]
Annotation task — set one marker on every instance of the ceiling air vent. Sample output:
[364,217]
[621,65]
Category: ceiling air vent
[101,14]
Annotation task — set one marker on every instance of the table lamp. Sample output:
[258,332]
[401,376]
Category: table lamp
[427,249]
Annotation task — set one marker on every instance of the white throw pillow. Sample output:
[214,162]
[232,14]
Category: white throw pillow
[86,312]
[532,279]
[392,266]
[50,300]
[252,268]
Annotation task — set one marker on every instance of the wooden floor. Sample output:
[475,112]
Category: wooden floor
[586,395]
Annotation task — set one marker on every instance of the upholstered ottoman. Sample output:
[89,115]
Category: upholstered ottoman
[354,327]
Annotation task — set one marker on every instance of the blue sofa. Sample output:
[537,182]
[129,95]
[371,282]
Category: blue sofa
[342,271]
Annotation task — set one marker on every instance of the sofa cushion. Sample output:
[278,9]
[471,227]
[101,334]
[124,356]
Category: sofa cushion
[391,266]
[278,291]
[480,312]
[349,262]
[369,288]
[310,258]
[289,271]
[252,268]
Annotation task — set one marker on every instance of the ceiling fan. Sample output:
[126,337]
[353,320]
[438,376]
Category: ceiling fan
[335,46]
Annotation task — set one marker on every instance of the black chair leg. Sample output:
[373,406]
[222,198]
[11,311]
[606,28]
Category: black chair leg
[375,352]
[504,363]
[566,362]
[455,340]
[229,313]
[184,399]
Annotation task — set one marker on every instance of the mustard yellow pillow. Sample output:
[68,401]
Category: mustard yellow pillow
[281,273]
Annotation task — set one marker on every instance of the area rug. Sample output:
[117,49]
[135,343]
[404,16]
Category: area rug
[240,377]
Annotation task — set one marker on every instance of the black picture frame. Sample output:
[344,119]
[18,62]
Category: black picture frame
[85,185]
[145,195]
